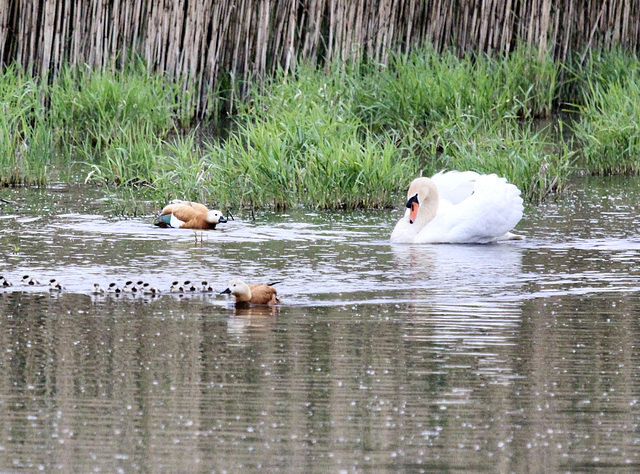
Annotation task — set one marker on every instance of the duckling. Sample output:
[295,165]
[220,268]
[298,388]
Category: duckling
[97,289]
[4,282]
[206,287]
[147,289]
[189,215]
[27,280]
[55,285]
[129,287]
[114,288]
[175,287]
[189,287]
[252,294]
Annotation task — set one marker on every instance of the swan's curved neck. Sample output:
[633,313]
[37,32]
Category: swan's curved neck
[422,201]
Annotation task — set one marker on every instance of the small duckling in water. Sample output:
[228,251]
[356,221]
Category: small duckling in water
[189,287]
[4,282]
[175,287]
[27,280]
[252,294]
[114,288]
[206,287]
[147,289]
[55,285]
[97,289]
[129,287]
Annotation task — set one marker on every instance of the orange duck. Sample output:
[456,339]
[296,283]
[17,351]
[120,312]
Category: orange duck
[189,215]
[252,294]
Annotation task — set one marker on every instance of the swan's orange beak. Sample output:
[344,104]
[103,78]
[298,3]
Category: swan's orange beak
[414,212]
[413,204]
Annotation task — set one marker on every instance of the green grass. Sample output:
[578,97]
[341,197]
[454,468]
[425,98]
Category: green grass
[457,113]
[528,157]
[608,130]
[422,89]
[25,140]
[92,111]
[349,137]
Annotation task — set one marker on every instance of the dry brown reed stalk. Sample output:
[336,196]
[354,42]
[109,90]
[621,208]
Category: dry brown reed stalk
[195,41]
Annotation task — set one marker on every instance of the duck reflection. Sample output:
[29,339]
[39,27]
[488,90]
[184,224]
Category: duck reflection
[247,317]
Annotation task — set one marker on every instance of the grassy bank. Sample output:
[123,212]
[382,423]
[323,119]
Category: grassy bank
[351,137]
[26,139]
[608,130]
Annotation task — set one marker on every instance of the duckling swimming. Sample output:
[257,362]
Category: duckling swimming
[147,289]
[55,285]
[27,280]
[189,287]
[129,287]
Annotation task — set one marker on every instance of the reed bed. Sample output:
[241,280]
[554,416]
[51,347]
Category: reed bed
[93,111]
[475,114]
[345,137]
[198,43]
[25,140]
[355,138]
[608,131]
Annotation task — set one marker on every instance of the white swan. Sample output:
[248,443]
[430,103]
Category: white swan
[459,207]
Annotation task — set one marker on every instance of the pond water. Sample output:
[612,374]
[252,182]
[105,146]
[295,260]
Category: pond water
[520,356]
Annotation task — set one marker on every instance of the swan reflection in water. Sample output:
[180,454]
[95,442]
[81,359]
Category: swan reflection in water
[446,271]
[462,296]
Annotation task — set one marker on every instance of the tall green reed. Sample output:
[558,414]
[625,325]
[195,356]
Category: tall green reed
[298,143]
[25,140]
[529,157]
[424,88]
[350,136]
[91,110]
[607,128]
[356,137]
[471,113]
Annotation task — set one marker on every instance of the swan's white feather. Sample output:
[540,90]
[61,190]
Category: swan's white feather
[473,208]
[455,186]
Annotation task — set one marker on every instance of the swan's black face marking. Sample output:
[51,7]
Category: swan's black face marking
[412,200]
[413,204]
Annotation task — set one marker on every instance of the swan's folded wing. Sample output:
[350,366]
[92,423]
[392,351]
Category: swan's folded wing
[455,186]
[494,208]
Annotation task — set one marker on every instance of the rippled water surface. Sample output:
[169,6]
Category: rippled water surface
[520,356]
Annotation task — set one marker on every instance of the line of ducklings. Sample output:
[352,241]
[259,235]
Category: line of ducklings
[243,293]
[54,285]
